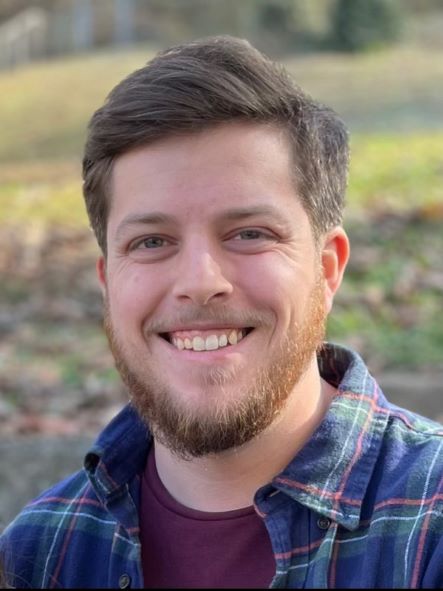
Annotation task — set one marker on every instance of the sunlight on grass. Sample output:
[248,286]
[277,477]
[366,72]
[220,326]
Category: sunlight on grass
[396,171]
[60,204]
[45,107]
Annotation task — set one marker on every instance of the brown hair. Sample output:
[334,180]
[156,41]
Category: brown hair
[204,83]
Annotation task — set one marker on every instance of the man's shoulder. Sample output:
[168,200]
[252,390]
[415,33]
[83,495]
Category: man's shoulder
[413,433]
[56,507]
[34,542]
[404,499]
[413,446]
[400,431]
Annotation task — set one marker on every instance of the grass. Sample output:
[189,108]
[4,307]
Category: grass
[42,204]
[396,171]
[45,107]
[390,301]
[396,89]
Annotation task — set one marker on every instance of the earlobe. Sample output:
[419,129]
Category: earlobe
[101,273]
[335,255]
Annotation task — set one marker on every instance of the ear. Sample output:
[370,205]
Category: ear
[334,257]
[101,273]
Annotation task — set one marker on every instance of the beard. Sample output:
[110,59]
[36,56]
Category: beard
[189,433]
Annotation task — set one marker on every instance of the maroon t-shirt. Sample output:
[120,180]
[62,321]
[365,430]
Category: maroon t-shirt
[182,547]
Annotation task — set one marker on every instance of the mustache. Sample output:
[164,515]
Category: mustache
[210,315]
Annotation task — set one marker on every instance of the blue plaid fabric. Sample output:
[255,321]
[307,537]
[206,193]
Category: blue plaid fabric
[360,506]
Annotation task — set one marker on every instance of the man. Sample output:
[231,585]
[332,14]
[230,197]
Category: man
[252,453]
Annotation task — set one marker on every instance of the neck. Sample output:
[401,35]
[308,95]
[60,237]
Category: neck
[229,480]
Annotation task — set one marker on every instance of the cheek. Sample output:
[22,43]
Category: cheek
[285,286]
[131,295]
[276,283]
[280,272]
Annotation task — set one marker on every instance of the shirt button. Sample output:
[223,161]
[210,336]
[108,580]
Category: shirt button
[323,523]
[124,582]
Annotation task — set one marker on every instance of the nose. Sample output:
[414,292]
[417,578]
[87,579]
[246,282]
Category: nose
[199,278]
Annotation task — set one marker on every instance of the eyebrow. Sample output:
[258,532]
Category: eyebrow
[234,214]
[137,219]
[242,213]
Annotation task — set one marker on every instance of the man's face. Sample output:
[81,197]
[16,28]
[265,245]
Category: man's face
[214,296]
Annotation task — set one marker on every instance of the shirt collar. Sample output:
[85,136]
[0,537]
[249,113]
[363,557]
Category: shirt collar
[331,473]
[118,455]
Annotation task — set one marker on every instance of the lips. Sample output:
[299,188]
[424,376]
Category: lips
[205,340]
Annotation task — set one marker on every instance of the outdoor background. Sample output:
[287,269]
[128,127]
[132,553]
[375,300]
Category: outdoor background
[378,63]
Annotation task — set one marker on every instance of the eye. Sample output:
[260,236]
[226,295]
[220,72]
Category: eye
[253,234]
[250,234]
[149,243]
[250,240]
[151,248]
[152,242]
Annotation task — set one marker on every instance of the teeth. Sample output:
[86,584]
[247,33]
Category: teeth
[232,338]
[222,340]
[198,344]
[210,343]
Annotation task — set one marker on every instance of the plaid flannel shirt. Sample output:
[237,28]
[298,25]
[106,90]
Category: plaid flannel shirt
[360,506]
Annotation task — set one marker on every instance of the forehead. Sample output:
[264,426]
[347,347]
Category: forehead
[241,163]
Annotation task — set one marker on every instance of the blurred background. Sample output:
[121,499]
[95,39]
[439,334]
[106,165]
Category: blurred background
[377,62]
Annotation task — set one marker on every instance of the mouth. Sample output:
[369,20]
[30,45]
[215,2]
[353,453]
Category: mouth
[205,340]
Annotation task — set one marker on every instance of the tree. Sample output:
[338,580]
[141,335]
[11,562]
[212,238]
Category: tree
[362,24]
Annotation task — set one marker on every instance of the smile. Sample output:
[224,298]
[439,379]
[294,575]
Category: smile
[210,340]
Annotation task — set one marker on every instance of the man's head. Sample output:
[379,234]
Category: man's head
[215,188]
[199,86]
